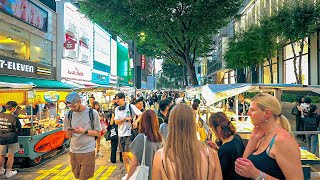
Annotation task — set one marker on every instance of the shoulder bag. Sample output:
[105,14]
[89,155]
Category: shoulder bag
[141,172]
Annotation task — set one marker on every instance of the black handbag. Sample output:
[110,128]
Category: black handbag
[112,133]
[134,133]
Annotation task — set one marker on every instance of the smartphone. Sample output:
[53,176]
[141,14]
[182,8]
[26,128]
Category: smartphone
[71,129]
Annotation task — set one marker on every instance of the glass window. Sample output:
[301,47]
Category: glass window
[267,75]
[288,53]
[226,78]
[289,70]
[20,44]
[40,50]
[13,45]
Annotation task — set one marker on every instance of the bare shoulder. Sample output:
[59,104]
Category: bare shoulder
[157,156]
[284,142]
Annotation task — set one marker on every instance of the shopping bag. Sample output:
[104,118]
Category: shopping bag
[141,172]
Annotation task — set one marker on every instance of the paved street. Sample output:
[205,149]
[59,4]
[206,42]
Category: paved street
[59,168]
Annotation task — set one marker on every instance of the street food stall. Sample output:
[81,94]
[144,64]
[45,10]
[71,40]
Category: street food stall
[102,94]
[41,136]
[214,94]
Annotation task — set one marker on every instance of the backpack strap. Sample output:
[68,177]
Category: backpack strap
[91,118]
[70,118]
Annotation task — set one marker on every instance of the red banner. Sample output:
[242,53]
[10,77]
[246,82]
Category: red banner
[143,62]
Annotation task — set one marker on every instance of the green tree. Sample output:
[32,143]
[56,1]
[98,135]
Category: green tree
[254,47]
[296,21]
[173,70]
[183,27]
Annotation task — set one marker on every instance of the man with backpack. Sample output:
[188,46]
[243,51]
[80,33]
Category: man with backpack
[311,123]
[125,118]
[82,125]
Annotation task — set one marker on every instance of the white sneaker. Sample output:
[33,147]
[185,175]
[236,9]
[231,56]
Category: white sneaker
[124,177]
[2,171]
[11,173]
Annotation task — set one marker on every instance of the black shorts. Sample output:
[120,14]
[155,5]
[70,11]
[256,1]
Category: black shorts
[125,143]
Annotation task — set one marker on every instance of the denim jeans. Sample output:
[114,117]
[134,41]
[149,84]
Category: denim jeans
[312,143]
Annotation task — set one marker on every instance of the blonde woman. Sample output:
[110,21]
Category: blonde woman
[271,153]
[184,156]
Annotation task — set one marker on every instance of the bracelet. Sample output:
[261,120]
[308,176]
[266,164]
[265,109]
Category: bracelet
[262,176]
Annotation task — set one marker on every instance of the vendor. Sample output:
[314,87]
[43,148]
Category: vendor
[35,108]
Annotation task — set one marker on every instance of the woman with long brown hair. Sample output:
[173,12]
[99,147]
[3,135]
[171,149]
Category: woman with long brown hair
[149,127]
[184,156]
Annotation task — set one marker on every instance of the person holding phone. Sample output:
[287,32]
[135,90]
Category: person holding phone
[82,143]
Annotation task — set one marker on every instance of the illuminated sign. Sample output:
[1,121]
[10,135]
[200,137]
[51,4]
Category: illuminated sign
[26,11]
[143,62]
[16,66]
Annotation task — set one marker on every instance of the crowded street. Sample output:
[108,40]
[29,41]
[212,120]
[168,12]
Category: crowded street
[159,90]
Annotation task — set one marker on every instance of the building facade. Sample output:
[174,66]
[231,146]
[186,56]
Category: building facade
[27,39]
[282,65]
[75,44]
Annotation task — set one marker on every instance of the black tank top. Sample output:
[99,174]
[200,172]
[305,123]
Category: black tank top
[267,164]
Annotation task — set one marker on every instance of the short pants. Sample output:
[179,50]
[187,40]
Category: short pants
[82,164]
[125,143]
[9,148]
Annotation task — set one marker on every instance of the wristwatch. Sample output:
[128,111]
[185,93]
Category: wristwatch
[86,132]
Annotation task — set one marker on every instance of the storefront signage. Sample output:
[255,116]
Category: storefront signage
[74,70]
[143,62]
[17,67]
[26,11]
[70,44]
[100,79]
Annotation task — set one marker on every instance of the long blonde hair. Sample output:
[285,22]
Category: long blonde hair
[183,147]
[267,101]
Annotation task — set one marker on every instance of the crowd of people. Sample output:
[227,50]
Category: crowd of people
[307,119]
[172,142]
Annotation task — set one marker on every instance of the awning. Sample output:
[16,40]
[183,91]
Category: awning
[216,92]
[35,83]
[80,84]
[15,85]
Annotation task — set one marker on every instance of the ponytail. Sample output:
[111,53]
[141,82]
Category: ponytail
[285,123]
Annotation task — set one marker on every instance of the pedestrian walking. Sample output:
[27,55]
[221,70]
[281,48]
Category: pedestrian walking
[148,127]
[96,106]
[124,115]
[82,125]
[9,126]
[272,152]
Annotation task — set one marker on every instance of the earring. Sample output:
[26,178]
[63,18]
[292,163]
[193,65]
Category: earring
[266,120]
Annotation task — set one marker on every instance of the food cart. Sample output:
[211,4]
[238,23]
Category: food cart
[41,137]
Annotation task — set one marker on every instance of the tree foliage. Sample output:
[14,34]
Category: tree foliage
[296,21]
[181,27]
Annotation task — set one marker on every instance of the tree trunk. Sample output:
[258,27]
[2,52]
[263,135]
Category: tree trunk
[300,61]
[193,76]
[294,63]
[270,68]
